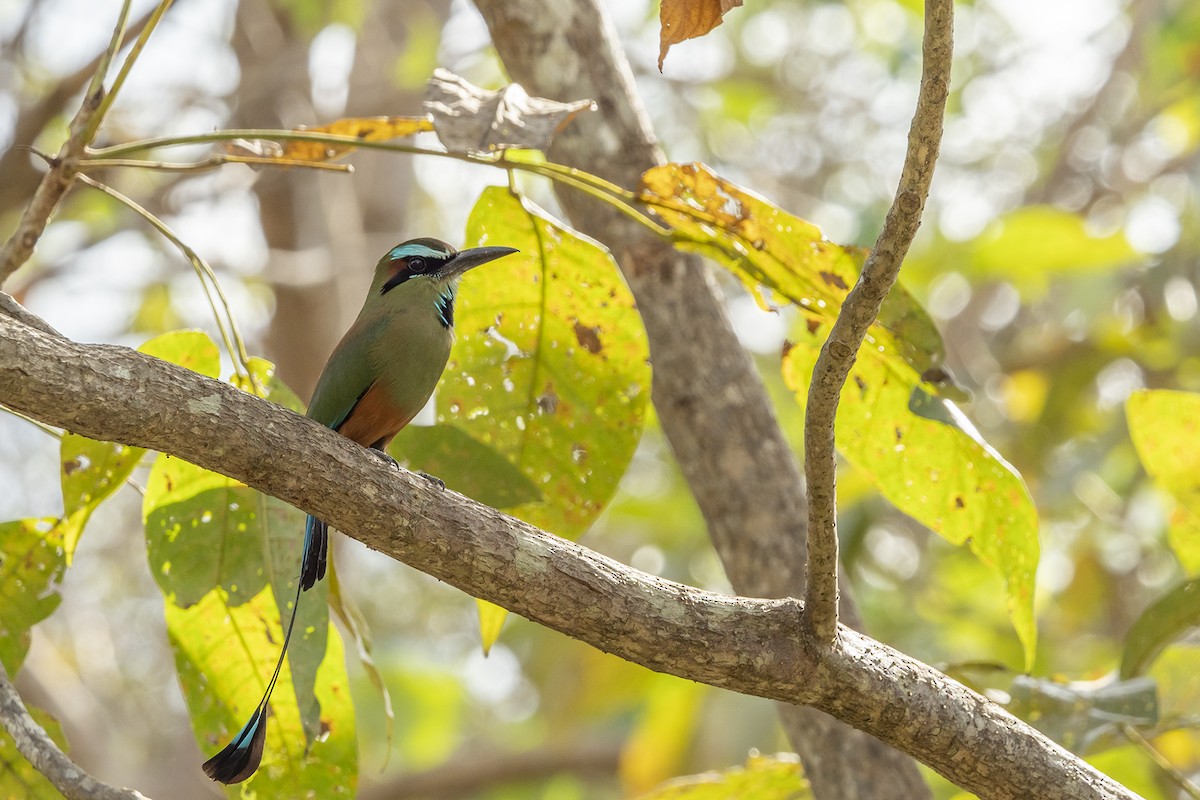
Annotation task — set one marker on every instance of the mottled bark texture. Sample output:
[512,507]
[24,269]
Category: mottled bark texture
[744,645]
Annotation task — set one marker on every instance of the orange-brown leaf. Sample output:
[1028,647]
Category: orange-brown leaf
[367,129]
[687,19]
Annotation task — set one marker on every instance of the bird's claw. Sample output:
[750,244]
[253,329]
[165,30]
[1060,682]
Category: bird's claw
[434,479]
[384,456]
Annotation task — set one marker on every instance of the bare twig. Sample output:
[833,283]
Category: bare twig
[228,328]
[859,312]
[46,757]
[55,183]
[20,180]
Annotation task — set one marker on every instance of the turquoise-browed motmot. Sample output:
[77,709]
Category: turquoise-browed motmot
[379,376]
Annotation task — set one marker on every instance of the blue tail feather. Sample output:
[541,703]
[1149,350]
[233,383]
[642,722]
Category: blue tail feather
[239,759]
[316,550]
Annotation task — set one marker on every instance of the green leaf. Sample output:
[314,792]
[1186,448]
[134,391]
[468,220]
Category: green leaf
[1083,716]
[778,777]
[1165,426]
[927,459]
[1028,246]
[550,368]
[658,745]
[18,778]
[189,349]
[32,563]
[204,530]
[225,654]
[1172,615]
[91,471]
[465,464]
[226,558]
[355,623]
[919,450]
[549,373]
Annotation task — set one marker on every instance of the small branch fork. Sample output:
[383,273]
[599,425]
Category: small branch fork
[858,312]
[744,645]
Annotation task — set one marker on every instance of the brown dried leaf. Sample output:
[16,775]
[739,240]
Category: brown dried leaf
[367,129]
[470,119]
[687,19]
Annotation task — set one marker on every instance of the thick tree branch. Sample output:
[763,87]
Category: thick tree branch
[710,399]
[859,311]
[749,646]
[46,757]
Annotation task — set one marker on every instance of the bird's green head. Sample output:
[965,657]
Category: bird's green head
[429,260]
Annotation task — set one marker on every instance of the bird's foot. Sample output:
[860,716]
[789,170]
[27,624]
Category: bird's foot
[385,457]
[434,479]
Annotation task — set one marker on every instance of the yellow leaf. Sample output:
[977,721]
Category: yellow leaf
[367,129]
[491,620]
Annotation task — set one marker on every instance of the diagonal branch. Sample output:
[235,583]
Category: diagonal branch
[46,757]
[858,313]
[749,646]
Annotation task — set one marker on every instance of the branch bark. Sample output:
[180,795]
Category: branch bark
[859,311]
[709,398]
[749,646]
[46,757]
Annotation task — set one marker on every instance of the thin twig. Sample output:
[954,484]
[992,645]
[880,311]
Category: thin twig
[859,312]
[232,337]
[93,124]
[55,183]
[46,757]
[1174,775]
[212,162]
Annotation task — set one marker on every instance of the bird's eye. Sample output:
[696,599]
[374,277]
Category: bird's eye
[416,264]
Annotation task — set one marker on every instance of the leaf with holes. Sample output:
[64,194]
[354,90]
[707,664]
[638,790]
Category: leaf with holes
[91,471]
[928,460]
[549,368]
[780,256]
[32,563]
[225,654]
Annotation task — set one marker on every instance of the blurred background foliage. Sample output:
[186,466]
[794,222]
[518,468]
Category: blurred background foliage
[1060,256]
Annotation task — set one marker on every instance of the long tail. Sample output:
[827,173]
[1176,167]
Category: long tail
[241,757]
[316,550]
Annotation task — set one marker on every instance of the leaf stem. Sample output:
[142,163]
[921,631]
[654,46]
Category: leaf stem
[234,344]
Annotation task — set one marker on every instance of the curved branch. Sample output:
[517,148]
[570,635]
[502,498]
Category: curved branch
[46,757]
[748,646]
[858,313]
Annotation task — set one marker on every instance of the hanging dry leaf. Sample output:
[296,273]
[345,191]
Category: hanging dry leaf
[470,119]
[687,19]
[367,129]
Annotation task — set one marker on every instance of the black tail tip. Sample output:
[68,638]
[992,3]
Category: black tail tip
[241,758]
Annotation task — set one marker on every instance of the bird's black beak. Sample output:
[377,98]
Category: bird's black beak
[473,257]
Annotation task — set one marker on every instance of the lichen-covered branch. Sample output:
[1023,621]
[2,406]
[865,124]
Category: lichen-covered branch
[744,645]
[859,311]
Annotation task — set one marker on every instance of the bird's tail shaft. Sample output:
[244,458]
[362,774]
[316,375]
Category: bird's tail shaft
[239,759]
